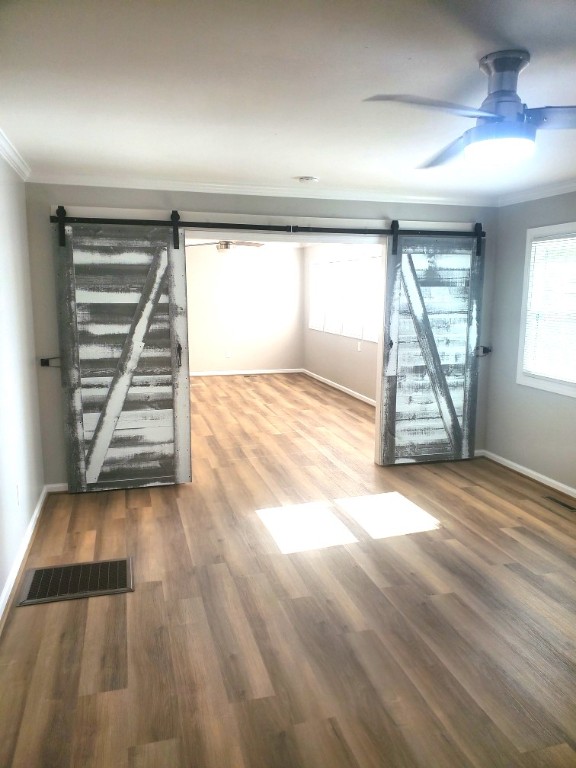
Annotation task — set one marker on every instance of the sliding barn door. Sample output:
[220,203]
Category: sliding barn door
[123,340]
[427,409]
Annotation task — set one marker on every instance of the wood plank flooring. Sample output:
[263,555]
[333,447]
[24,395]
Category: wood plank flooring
[445,648]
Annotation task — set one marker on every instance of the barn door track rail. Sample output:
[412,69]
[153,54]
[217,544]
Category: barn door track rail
[175,223]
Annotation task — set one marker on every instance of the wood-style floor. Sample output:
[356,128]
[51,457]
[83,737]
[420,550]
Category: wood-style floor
[450,647]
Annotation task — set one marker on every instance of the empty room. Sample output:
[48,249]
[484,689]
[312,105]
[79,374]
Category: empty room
[287,413]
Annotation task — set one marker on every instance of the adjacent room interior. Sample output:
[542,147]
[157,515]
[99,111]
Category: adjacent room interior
[249,309]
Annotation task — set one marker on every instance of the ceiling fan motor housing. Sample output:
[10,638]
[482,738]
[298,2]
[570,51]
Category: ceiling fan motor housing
[503,68]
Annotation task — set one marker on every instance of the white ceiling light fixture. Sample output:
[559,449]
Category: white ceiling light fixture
[505,131]
[499,145]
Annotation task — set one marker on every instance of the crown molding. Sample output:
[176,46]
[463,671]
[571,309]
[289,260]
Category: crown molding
[303,192]
[536,193]
[14,159]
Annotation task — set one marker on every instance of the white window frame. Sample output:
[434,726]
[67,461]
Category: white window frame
[549,384]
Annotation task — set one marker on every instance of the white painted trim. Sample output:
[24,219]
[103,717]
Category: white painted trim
[24,547]
[244,372]
[21,555]
[537,193]
[14,159]
[56,488]
[548,384]
[334,385]
[562,487]
[300,191]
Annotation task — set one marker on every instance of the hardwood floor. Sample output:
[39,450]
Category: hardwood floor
[448,647]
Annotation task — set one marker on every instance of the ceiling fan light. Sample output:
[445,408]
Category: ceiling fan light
[499,145]
[506,151]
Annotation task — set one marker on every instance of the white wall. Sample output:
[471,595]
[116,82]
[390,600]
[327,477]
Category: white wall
[244,307]
[530,427]
[21,474]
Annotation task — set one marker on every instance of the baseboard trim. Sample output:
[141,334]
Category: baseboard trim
[20,558]
[22,554]
[244,372]
[562,487]
[56,488]
[334,385]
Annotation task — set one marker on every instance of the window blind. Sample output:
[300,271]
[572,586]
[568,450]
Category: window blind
[550,330]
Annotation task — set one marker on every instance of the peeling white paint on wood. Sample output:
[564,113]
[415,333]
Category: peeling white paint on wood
[103,351]
[107,279]
[111,297]
[430,372]
[133,348]
[102,258]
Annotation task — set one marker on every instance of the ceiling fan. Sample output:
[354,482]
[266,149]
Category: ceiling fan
[226,245]
[502,119]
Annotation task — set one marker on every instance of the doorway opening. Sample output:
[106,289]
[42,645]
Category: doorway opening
[267,306]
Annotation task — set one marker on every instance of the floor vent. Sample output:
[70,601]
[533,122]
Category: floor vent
[561,503]
[70,582]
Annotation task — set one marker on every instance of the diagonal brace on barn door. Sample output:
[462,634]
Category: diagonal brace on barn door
[126,367]
[431,355]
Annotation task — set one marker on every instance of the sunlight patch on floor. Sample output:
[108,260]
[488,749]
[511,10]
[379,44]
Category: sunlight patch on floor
[387,514]
[302,527]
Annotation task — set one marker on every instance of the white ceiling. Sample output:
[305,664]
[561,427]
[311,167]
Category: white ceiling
[231,95]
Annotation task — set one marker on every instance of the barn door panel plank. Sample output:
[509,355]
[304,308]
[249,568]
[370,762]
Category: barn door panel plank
[123,335]
[391,335]
[427,401]
[473,339]
[70,362]
[430,354]
[127,365]
[181,380]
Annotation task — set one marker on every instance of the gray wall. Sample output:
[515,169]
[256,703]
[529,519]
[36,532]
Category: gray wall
[528,426]
[21,474]
[338,359]
[42,196]
[342,360]
[244,307]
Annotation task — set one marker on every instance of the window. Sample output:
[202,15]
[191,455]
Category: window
[346,291]
[547,354]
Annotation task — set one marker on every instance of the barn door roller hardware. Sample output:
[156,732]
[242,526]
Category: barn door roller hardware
[175,218]
[62,219]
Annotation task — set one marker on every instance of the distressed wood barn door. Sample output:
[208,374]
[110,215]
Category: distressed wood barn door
[124,352]
[427,408]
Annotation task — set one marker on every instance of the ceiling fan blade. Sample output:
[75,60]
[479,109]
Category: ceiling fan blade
[551,117]
[249,244]
[422,101]
[447,153]
[197,245]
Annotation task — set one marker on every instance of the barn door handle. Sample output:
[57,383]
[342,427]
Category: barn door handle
[179,354]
